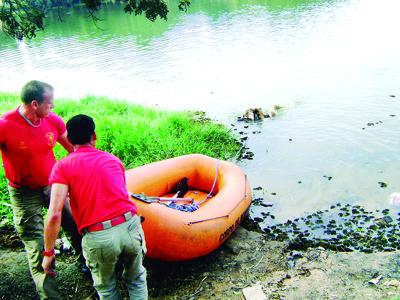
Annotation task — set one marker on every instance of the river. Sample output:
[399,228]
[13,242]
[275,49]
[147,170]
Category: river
[334,65]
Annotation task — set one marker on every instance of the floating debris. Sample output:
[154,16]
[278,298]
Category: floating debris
[257,114]
[248,155]
[266,204]
[382,184]
[253,114]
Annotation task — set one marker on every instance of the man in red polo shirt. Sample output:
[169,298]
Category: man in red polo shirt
[28,135]
[95,181]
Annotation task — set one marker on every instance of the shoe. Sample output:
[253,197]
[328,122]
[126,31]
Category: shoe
[85,270]
[81,265]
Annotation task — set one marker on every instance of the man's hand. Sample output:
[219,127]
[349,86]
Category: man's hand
[49,265]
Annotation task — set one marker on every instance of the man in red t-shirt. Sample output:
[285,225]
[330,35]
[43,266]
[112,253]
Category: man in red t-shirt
[95,181]
[28,135]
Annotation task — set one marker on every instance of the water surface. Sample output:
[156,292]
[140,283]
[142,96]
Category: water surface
[334,66]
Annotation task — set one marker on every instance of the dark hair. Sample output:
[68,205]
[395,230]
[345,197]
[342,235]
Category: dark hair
[80,129]
[35,90]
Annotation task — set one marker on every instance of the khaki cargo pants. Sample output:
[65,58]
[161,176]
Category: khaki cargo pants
[124,244]
[27,208]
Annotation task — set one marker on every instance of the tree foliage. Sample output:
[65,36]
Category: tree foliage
[24,18]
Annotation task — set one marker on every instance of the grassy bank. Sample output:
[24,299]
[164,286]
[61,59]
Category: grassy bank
[136,134]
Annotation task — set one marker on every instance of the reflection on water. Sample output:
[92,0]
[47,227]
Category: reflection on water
[332,64]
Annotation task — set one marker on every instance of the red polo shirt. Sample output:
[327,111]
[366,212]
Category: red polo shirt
[97,187]
[27,151]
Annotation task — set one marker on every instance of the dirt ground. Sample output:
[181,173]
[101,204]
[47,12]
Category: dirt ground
[246,259]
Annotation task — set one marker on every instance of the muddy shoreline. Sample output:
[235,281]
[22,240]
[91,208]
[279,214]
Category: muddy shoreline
[247,259]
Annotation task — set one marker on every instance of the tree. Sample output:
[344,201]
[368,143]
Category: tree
[24,18]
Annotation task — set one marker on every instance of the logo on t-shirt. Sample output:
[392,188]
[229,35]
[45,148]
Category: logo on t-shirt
[51,141]
[22,145]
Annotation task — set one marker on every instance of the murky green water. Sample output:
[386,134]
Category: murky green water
[332,64]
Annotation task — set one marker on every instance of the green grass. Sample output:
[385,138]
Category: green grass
[136,134]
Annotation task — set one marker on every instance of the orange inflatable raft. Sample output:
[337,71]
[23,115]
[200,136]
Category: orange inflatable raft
[220,189]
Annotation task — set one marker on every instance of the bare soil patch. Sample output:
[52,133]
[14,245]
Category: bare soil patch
[246,259]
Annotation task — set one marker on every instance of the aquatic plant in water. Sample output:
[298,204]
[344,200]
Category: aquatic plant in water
[342,227]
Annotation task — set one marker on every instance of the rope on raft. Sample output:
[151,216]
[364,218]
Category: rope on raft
[213,186]
[225,216]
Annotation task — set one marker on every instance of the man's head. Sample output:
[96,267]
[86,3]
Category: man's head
[38,96]
[80,129]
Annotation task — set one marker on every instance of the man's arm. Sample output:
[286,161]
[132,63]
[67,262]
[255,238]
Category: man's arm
[52,225]
[2,134]
[63,140]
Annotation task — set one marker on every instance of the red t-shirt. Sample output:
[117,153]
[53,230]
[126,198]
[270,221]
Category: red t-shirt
[97,186]
[27,151]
